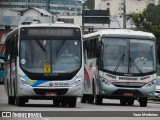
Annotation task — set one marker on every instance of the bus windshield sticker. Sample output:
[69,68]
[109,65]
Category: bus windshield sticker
[23,61]
[47,68]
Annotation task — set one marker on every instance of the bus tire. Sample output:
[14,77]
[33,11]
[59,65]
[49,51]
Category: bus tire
[11,100]
[143,101]
[72,102]
[98,100]
[123,101]
[20,101]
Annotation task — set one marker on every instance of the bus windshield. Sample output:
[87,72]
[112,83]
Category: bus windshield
[124,55]
[60,56]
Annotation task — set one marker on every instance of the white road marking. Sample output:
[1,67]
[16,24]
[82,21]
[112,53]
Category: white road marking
[46,119]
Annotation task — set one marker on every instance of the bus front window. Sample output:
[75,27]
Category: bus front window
[115,55]
[60,56]
[66,56]
[134,56]
[142,56]
[34,55]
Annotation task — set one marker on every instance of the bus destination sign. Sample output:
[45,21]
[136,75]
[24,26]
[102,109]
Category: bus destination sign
[49,32]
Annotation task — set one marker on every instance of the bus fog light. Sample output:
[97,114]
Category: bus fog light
[77,82]
[150,84]
[23,81]
[105,81]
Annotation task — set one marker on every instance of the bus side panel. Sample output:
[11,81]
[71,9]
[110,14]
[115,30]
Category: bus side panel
[91,70]
[7,79]
[13,78]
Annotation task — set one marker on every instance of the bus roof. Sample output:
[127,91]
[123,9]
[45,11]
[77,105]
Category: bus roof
[50,25]
[120,33]
[45,25]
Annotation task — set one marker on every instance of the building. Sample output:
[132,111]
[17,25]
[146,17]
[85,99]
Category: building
[65,7]
[38,15]
[116,6]
[56,7]
[157,2]
[10,19]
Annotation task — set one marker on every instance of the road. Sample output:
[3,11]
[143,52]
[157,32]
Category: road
[108,105]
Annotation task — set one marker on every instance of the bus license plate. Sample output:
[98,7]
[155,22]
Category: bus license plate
[128,94]
[51,94]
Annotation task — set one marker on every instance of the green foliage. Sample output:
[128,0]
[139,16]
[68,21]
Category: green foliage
[89,4]
[148,20]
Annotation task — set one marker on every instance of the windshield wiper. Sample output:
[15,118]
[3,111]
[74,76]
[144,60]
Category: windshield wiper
[121,60]
[130,61]
[41,46]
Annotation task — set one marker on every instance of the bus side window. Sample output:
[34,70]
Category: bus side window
[15,45]
[7,52]
[13,49]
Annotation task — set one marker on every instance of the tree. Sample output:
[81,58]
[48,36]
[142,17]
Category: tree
[148,20]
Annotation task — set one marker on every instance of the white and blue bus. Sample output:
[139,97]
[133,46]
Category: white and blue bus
[44,61]
[113,69]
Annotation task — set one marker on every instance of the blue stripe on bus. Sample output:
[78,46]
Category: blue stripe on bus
[38,82]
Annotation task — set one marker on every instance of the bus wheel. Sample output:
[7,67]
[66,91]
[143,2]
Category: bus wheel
[20,101]
[11,100]
[84,98]
[123,101]
[98,100]
[143,101]
[56,102]
[72,102]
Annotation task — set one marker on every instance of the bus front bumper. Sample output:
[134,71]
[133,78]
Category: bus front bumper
[49,92]
[111,90]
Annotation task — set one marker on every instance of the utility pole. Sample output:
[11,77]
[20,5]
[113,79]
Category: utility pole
[124,14]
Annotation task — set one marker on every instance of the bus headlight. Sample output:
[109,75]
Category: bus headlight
[105,81]
[77,82]
[151,83]
[23,81]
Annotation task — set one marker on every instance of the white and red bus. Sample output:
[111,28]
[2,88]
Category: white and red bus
[112,69]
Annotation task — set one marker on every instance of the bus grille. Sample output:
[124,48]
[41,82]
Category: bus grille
[43,91]
[128,84]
